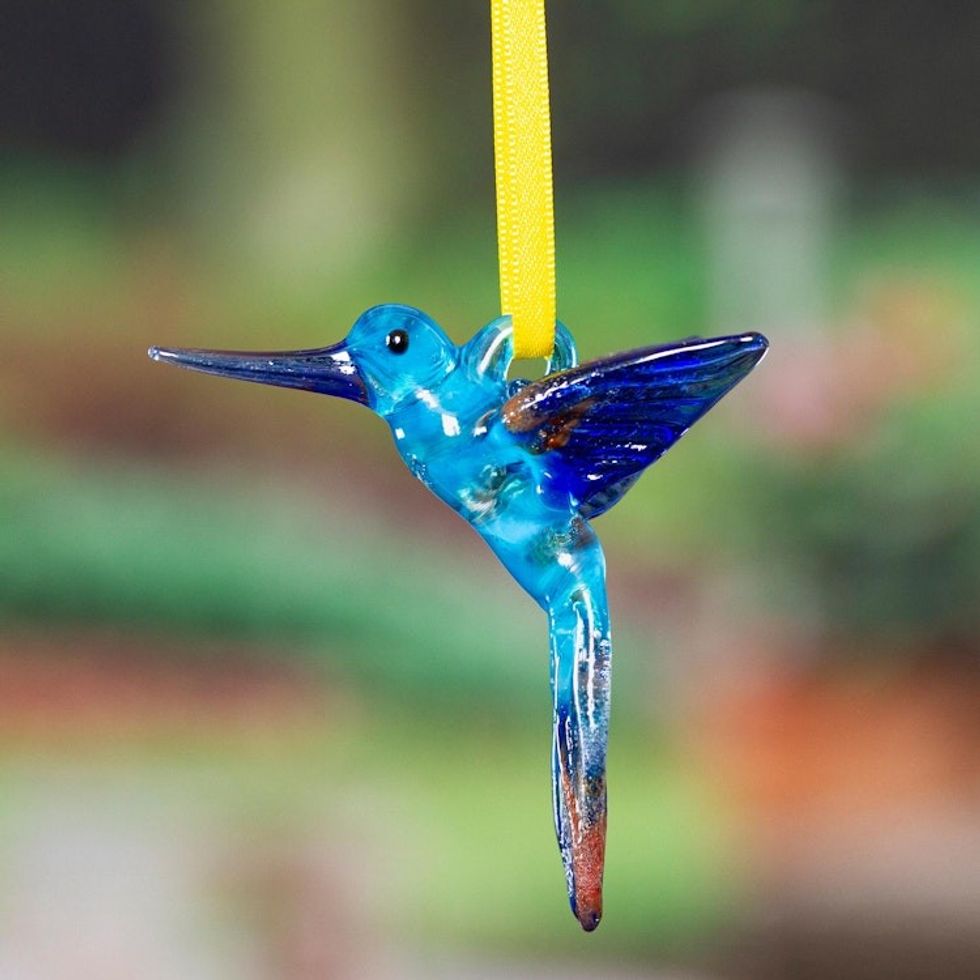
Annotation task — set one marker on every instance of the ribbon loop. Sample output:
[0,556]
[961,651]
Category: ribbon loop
[522,154]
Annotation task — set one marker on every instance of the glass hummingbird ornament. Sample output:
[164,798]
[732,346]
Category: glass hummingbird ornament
[528,465]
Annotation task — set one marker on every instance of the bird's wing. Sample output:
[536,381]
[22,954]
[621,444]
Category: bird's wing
[605,421]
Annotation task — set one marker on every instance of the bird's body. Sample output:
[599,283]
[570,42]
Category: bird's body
[453,438]
[527,465]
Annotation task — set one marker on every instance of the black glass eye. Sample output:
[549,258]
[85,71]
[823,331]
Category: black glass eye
[397,341]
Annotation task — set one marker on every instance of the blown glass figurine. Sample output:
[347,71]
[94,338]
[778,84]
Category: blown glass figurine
[528,465]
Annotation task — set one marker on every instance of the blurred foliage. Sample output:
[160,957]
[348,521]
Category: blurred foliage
[632,269]
[629,76]
[878,543]
[119,547]
[441,827]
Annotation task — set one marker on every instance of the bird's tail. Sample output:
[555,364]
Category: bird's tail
[580,673]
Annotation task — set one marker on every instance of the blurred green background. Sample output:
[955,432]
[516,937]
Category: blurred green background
[266,711]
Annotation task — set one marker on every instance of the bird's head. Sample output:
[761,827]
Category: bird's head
[391,353]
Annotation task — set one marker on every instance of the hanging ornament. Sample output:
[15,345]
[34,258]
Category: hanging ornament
[528,464]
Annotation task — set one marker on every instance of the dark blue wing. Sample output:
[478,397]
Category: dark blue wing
[608,420]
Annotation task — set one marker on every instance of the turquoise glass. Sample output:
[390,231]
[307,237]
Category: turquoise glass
[528,465]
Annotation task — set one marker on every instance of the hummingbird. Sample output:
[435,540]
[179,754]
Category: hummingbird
[529,464]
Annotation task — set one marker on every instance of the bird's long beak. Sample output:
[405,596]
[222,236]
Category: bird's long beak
[325,370]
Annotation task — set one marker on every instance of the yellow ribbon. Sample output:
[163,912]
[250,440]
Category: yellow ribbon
[522,154]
